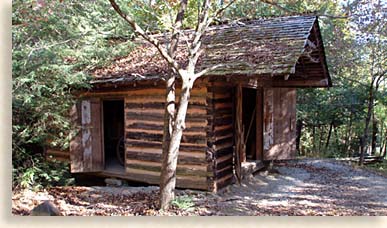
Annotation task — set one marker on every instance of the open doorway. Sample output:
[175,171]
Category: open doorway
[114,125]
[249,104]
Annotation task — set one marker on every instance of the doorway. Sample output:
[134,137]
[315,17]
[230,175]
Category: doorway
[113,134]
[249,109]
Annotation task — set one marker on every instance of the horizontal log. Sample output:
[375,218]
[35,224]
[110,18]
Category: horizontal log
[160,132]
[217,95]
[220,128]
[226,171]
[223,182]
[221,138]
[157,157]
[224,161]
[159,116]
[198,153]
[223,143]
[198,110]
[154,178]
[181,169]
[161,91]
[220,120]
[159,137]
[147,126]
[223,90]
[160,105]
[223,105]
[184,147]
[160,99]
[160,123]
[223,152]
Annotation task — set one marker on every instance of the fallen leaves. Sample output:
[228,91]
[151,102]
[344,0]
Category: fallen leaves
[301,188]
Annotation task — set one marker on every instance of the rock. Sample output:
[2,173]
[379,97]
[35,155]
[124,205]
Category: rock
[45,209]
[113,182]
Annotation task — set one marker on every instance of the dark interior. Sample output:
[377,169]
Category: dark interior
[113,124]
[249,121]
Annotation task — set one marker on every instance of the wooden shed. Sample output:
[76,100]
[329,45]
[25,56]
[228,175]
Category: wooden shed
[245,111]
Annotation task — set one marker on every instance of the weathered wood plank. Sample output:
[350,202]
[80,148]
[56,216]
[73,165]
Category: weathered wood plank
[181,170]
[157,157]
[159,137]
[193,182]
[197,154]
[184,147]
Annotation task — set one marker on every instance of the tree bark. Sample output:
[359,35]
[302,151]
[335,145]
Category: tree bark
[167,131]
[299,126]
[314,139]
[349,135]
[363,141]
[321,129]
[329,135]
[374,134]
[169,114]
[169,177]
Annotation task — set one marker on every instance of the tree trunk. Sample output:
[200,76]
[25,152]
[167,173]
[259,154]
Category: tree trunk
[314,139]
[348,138]
[383,154]
[374,134]
[169,177]
[321,129]
[329,135]
[363,141]
[298,135]
[167,131]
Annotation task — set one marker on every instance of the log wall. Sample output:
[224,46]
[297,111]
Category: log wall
[144,111]
[220,134]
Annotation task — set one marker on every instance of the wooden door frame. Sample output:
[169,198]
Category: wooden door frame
[259,124]
[259,119]
[103,99]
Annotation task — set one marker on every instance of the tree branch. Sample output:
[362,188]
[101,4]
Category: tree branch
[207,70]
[137,29]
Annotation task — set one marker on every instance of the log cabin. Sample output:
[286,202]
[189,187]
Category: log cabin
[244,111]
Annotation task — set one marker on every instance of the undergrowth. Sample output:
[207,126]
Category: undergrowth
[35,172]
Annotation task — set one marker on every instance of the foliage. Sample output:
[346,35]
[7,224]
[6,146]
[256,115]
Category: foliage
[34,172]
[183,203]
[379,167]
[55,45]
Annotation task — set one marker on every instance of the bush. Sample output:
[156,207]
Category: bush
[35,172]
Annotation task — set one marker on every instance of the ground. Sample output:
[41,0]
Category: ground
[303,187]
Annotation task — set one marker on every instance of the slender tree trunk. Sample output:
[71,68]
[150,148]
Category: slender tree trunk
[329,135]
[299,126]
[321,129]
[169,114]
[167,132]
[314,139]
[383,140]
[169,177]
[383,154]
[363,141]
[348,138]
[374,134]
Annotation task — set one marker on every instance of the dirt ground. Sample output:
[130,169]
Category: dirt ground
[303,187]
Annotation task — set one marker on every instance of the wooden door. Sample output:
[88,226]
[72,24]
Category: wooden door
[86,152]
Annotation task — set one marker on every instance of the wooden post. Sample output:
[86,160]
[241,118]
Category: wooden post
[259,127]
[239,133]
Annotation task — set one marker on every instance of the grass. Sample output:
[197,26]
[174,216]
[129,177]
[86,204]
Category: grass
[184,203]
[379,167]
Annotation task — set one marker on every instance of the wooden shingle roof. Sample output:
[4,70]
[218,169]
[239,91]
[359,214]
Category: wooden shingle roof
[290,47]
